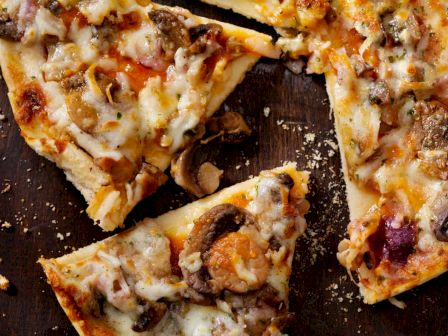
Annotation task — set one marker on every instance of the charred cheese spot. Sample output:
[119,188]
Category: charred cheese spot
[31,103]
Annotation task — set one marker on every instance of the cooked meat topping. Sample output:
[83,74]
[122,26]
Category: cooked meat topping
[202,35]
[8,28]
[430,133]
[379,93]
[151,316]
[74,82]
[173,32]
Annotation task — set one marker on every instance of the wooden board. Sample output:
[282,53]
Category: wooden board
[325,302]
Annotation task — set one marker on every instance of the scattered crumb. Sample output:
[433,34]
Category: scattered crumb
[6,225]
[310,138]
[2,117]
[266,111]
[60,236]
[4,283]
[6,188]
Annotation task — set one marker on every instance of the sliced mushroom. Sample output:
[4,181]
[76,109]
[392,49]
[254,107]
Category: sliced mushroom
[151,316]
[108,85]
[193,171]
[173,33]
[231,126]
[82,114]
[208,228]
[8,28]
[209,177]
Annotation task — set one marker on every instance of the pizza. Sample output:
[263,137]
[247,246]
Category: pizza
[218,266]
[112,90]
[386,70]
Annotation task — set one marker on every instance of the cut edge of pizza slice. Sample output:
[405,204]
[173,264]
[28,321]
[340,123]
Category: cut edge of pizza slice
[221,263]
[93,99]
[286,16]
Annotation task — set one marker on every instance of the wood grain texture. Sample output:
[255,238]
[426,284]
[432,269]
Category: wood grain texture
[324,300]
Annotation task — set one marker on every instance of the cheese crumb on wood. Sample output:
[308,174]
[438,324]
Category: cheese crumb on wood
[266,111]
[6,225]
[4,283]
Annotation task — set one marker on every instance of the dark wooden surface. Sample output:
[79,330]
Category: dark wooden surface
[42,202]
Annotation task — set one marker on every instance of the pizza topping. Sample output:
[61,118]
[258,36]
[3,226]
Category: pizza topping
[193,172]
[209,177]
[207,230]
[269,207]
[256,309]
[379,93]
[231,127]
[202,35]
[394,240]
[54,6]
[430,131]
[8,28]
[439,220]
[237,263]
[151,316]
[441,89]
[173,33]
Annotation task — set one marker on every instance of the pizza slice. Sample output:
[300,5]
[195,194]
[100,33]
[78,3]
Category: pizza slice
[111,90]
[387,83]
[218,266]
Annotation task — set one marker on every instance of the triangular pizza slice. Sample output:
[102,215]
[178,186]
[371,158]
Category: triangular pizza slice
[218,266]
[111,90]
